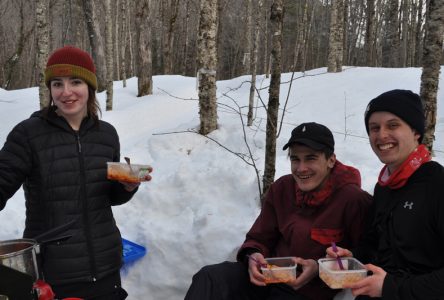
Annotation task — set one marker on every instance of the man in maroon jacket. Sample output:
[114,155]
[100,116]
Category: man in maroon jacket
[320,202]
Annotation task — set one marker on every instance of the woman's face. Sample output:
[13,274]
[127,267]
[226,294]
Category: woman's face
[391,138]
[70,95]
[310,168]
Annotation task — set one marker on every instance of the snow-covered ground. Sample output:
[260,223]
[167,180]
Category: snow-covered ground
[203,198]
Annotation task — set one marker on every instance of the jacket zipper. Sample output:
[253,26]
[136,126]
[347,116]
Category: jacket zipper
[86,222]
[78,143]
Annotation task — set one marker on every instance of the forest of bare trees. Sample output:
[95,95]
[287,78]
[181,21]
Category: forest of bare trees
[222,39]
[387,33]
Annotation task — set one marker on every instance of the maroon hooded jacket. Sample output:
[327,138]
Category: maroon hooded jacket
[288,226]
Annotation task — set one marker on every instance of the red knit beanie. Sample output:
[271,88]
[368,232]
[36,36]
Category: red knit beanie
[73,62]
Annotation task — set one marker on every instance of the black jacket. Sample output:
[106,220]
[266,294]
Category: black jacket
[63,173]
[406,236]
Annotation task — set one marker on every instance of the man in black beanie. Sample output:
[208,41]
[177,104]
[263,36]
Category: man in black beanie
[404,239]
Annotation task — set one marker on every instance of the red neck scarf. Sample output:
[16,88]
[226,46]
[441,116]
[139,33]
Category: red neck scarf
[398,178]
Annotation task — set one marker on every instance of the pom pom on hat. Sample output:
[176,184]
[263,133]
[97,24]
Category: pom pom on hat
[403,103]
[71,61]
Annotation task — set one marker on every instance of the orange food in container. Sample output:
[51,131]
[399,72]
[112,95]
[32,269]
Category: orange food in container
[123,172]
[279,270]
[334,277]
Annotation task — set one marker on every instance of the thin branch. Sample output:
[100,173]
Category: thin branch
[240,155]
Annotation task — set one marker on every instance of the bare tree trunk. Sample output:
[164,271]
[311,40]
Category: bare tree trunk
[79,35]
[370,34]
[253,62]
[12,61]
[248,38]
[117,25]
[144,66]
[277,17]
[173,8]
[132,57]
[307,34]
[67,28]
[42,8]
[185,37]
[336,36]
[404,34]
[207,63]
[418,50]
[109,55]
[300,36]
[266,68]
[355,33]
[345,47]
[123,41]
[221,6]
[431,66]
[96,42]
[390,46]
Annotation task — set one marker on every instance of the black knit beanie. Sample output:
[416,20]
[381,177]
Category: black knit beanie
[402,103]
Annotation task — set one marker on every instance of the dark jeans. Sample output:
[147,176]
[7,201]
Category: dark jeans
[231,281]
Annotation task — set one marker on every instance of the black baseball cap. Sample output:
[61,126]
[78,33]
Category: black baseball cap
[313,135]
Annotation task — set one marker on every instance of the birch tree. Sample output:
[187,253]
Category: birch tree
[335,45]
[109,55]
[123,42]
[207,64]
[116,22]
[277,17]
[42,8]
[253,61]
[431,66]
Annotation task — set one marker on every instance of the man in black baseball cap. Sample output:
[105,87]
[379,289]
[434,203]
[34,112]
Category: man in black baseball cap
[320,202]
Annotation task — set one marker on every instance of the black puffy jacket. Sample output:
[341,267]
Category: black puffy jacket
[406,236]
[63,173]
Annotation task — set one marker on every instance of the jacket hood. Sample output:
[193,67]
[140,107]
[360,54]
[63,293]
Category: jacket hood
[342,175]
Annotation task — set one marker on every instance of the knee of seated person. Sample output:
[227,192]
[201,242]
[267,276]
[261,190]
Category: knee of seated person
[216,269]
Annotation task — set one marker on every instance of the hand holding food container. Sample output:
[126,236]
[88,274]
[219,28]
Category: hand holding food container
[128,172]
[279,270]
[337,278]
[264,271]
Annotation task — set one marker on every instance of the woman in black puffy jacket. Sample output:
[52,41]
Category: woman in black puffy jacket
[59,155]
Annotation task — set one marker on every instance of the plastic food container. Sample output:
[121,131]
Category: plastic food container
[334,277]
[123,172]
[279,270]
